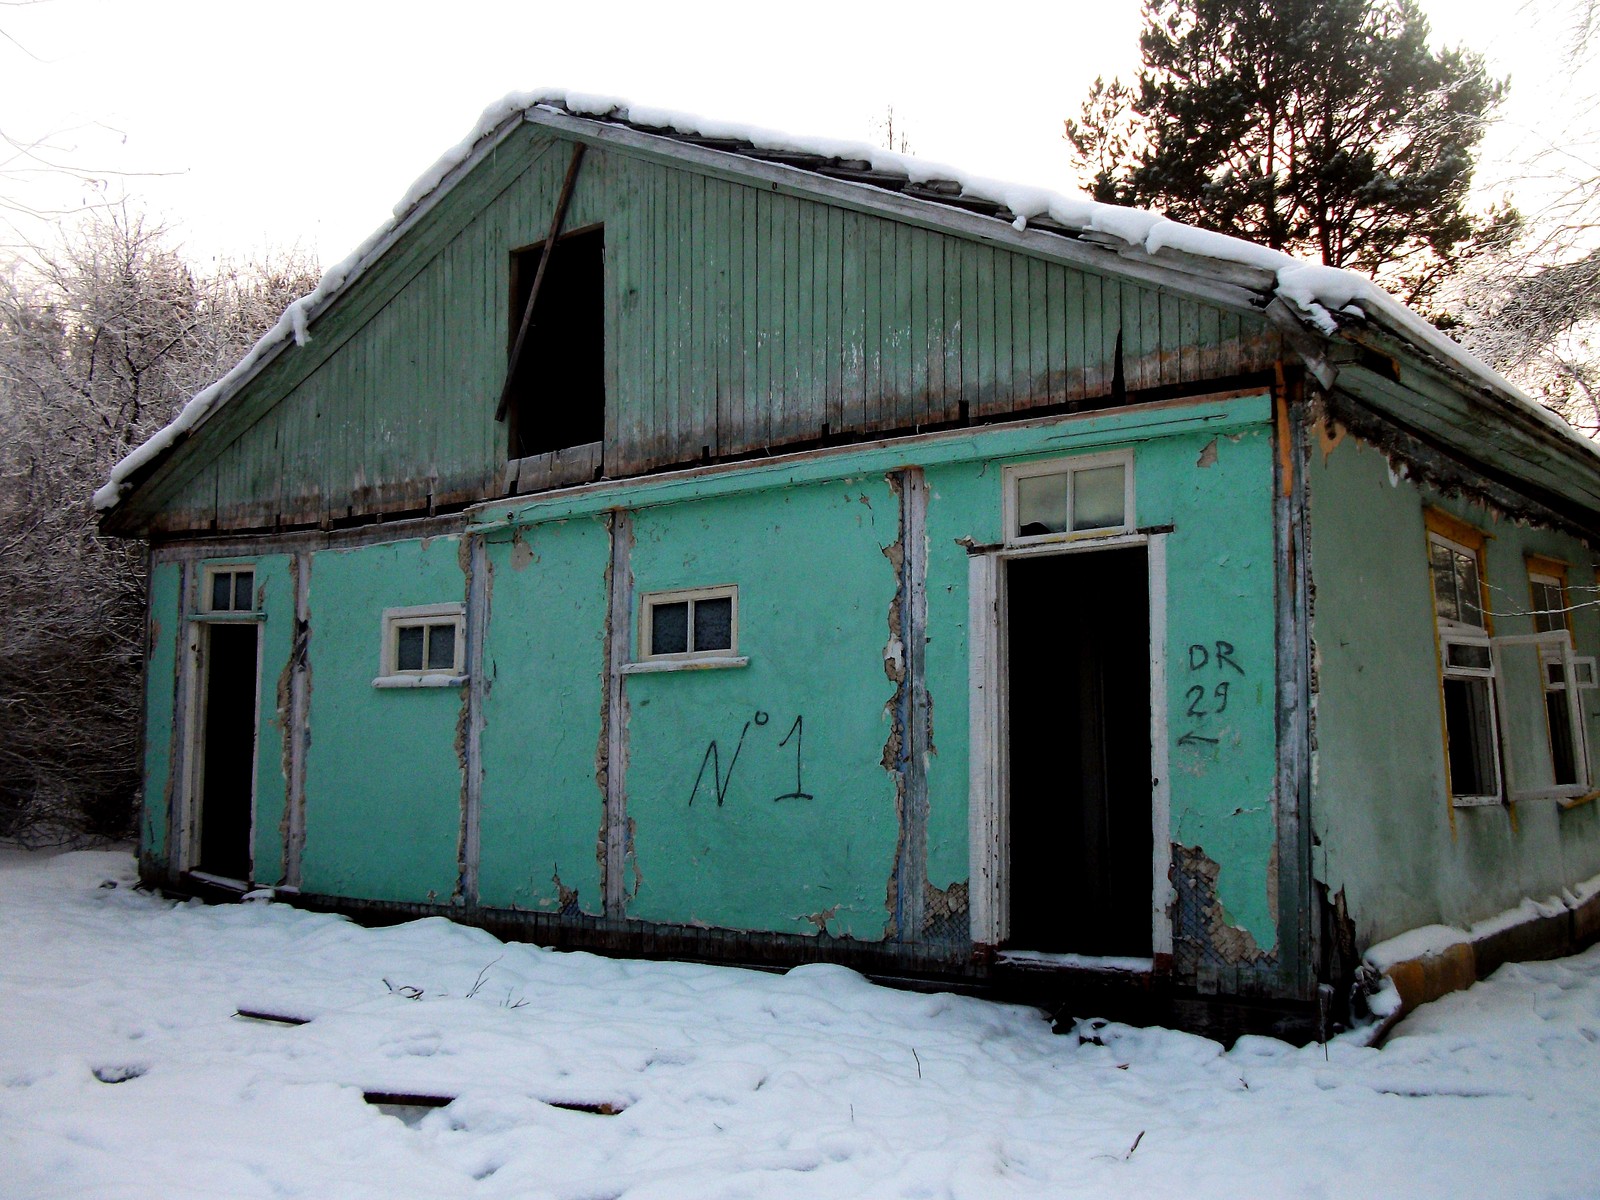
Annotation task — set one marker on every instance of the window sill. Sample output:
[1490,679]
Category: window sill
[1476,802]
[1036,960]
[657,665]
[228,618]
[419,681]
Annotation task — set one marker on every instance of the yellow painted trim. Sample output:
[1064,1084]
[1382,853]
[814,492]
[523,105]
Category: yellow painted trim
[1540,564]
[1447,525]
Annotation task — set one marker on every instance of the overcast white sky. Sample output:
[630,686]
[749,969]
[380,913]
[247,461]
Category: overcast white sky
[279,123]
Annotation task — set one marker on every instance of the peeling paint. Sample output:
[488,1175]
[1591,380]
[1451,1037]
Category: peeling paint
[821,919]
[1329,434]
[567,896]
[522,554]
[946,912]
[1205,934]
[1208,455]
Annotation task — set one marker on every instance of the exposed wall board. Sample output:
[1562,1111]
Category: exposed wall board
[1403,857]
[544,655]
[164,635]
[383,772]
[737,318]
[274,582]
[807,715]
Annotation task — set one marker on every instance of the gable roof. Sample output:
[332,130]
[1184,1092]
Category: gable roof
[1306,299]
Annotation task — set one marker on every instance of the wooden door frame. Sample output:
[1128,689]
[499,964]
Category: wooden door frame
[989,778]
[197,639]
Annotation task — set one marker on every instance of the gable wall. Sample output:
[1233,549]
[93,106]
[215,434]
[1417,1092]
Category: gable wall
[738,317]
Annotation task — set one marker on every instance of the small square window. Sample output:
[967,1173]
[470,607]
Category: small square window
[424,642]
[697,623]
[1068,497]
[230,589]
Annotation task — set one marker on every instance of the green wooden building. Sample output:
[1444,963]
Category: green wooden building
[842,564]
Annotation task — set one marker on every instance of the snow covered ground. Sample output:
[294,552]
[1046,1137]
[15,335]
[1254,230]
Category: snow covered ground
[124,1072]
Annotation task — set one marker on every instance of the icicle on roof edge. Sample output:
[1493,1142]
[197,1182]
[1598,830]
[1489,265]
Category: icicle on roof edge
[1318,292]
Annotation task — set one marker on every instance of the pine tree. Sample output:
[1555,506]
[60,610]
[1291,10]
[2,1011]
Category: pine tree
[1327,128]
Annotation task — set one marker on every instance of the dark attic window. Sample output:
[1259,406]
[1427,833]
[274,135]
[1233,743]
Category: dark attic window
[558,387]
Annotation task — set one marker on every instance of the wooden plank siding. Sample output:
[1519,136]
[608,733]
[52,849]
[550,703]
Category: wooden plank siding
[737,319]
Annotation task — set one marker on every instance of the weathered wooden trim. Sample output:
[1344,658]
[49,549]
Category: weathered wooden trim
[619,632]
[306,541]
[1163,896]
[1441,466]
[1299,955]
[478,616]
[1228,291]
[986,808]
[571,465]
[912,864]
[299,731]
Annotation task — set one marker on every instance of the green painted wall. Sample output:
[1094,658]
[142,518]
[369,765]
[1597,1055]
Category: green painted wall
[737,317]
[793,824]
[1220,587]
[160,693]
[1390,839]
[383,773]
[742,851]
[545,659]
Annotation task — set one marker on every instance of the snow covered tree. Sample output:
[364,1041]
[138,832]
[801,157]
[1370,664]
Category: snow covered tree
[100,343]
[1327,128]
[1531,309]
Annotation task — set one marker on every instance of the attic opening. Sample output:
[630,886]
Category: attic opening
[558,381]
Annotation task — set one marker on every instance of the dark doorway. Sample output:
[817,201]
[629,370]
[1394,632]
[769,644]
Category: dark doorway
[558,387]
[1078,654]
[227,749]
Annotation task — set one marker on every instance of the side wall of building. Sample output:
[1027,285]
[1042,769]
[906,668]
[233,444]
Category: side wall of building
[1390,842]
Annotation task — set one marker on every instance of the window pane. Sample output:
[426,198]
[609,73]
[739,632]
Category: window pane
[408,652]
[1465,654]
[243,583]
[1467,593]
[1561,756]
[221,591]
[1547,606]
[669,628]
[713,623]
[1468,733]
[1041,505]
[1097,498]
[442,647]
[1444,582]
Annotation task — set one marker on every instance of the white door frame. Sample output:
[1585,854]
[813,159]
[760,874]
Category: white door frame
[197,628]
[988,789]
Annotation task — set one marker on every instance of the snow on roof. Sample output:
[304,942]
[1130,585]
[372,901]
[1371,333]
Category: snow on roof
[1320,294]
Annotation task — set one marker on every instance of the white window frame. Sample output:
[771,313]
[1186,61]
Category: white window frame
[1452,632]
[395,619]
[1554,648]
[651,601]
[208,575]
[1069,466]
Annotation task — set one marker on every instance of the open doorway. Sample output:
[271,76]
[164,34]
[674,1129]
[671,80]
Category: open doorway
[1077,654]
[225,785]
